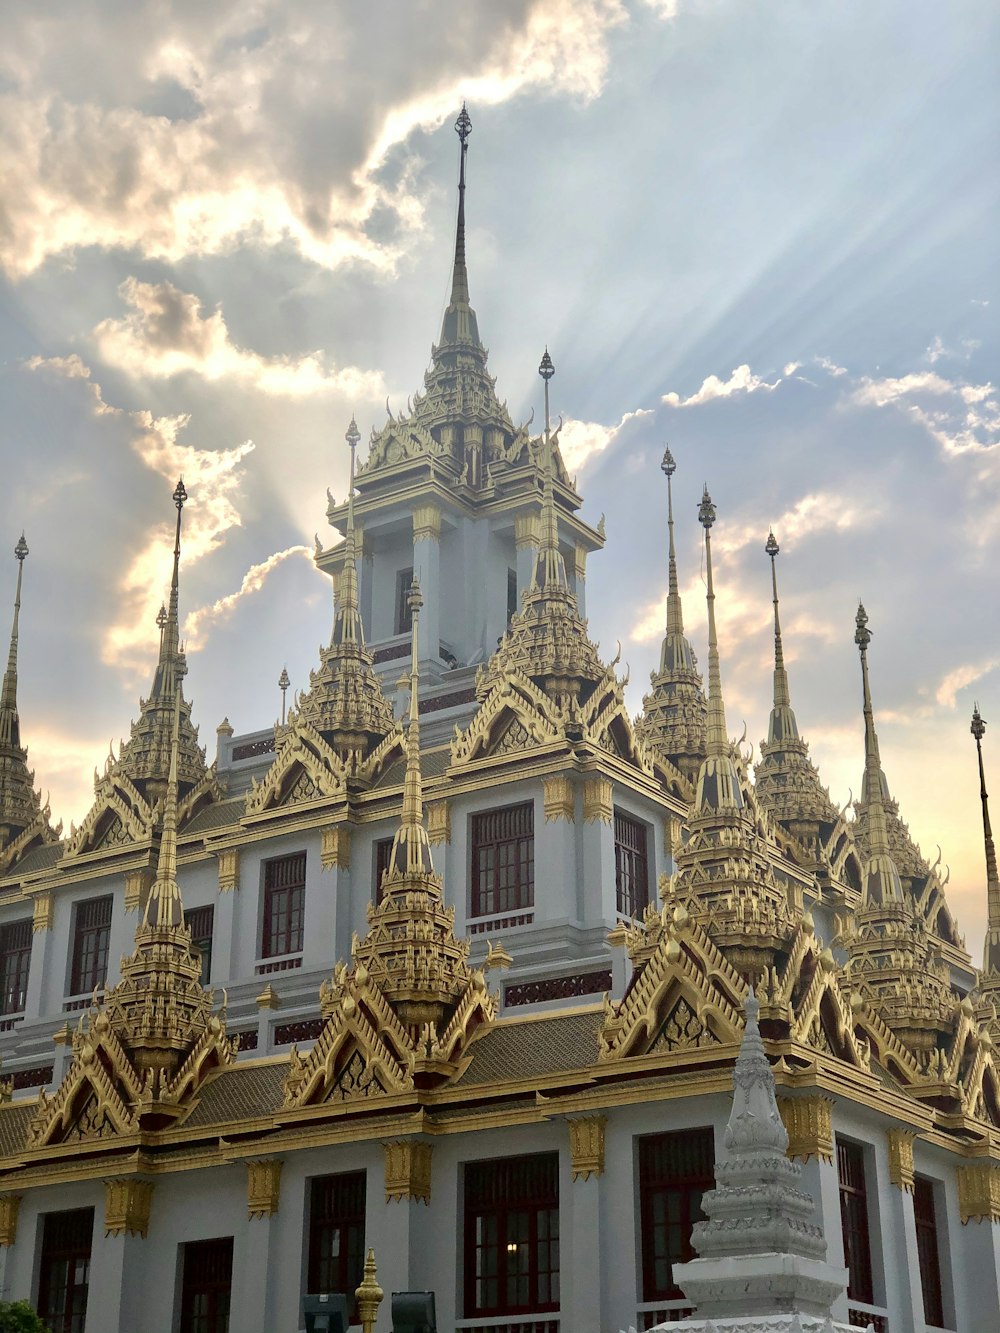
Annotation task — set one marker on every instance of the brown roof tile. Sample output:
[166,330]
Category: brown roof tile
[533,1048]
[241,1092]
[14,1120]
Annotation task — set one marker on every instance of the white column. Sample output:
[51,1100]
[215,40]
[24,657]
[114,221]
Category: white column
[222,938]
[427,570]
[37,1003]
[253,1292]
[902,1270]
[114,1295]
[820,1180]
[581,1284]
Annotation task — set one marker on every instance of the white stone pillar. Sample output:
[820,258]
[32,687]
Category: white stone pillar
[37,1002]
[114,1295]
[819,1179]
[582,1258]
[254,1290]
[223,932]
[555,851]
[427,570]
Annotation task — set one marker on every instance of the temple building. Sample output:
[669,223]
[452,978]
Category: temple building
[455,962]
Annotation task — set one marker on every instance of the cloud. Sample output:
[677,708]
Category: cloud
[187,131]
[742,380]
[197,624]
[817,512]
[579,441]
[167,334]
[961,417]
[960,677]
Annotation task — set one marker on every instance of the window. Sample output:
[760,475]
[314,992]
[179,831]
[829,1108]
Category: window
[90,945]
[675,1170]
[200,921]
[503,860]
[512,1235]
[284,905]
[383,855]
[337,1235]
[511,594]
[927,1250]
[854,1221]
[404,616]
[15,959]
[206,1286]
[65,1269]
[631,865]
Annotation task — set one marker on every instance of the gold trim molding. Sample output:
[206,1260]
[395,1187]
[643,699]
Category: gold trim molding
[580,562]
[527,531]
[126,1206]
[558,798]
[598,796]
[809,1124]
[335,849]
[42,912]
[439,821]
[229,869]
[407,1170]
[979,1193]
[137,885]
[9,1206]
[586,1145]
[263,1187]
[901,1157]
[426,523]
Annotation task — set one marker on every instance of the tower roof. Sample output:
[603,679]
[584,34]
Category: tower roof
[20,805]
[881,881]
[991,945]
[345,702]
[673,716]
[718,783]
[786,778]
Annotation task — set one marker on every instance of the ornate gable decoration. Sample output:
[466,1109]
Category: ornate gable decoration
[305,768]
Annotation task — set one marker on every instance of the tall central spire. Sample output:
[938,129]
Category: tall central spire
[168,666]
[549,573]
[411,848]
[347,627]
[10,728]
[991,946]
[459,324]
[718,784]
[882,883]
[783,725]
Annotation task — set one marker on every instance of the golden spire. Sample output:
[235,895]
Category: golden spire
[10,729]
[783,725]
[718,785]
[672,722]
[882,883]
[170,650]
[991,946]
[549,573]
[459,324]
[164,908]
[411,848]
[347,627]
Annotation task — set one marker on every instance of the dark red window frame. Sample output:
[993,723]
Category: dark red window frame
[512,598]
[928,1250]
[854,1221]
[631,864]
[675,1170]
[201,923]
[15,964]
[337,1235]
[64,1272]
[503,860]
[91,939]
[207,1285]
[403,621]
[383,856]
[284,905]
[511,1240]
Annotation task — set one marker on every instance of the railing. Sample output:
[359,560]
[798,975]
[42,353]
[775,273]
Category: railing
[286,963]
[874,1317]
[556,988]
[76,1002]
[10,1021]
[487,924]
[32,1078]
[305,1029]
[532,1323]
[651,1313]
[245,1040]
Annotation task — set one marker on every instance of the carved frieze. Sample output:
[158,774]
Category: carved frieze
[407,1170]
[527,531]
[809,1125]
[559,801]
[9,1206]
[597,800]
[42,911]
[335,849]
[426,523]
[439,822]
[126,1207]
[586,1145]
[137,885]
[263,1187]
[901,1158]
[979,1193]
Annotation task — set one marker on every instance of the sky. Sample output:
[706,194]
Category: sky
[765,234]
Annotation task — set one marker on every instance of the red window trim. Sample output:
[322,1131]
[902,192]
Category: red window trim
[207,1273]
[284,905]
[517,1198]
[928,1250]
[67,1238]
[337,1201]
[15,964]
[854,1221]
[677,1167]
[503,859]
[631,864]
[91,940]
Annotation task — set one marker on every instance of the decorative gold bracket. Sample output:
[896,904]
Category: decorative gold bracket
[586,1145]
[407,1170]
[809,1125]
[263,1187]
[126,1206]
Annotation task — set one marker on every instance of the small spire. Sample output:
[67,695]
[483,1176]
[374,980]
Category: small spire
[283,684]
[717,741]
[411,849]
[549,573]
[991,947]
[164,909]
[783,726]
[347,626]
[882,882]
[170,658]
[10,727]
[460,319]
[675,617]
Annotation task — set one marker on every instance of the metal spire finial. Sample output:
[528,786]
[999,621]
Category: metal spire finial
[546,369]
[347,627]
[164,908]
[991,946]
[283,684]
[170,650]
[675,618]
[460,275]
[10,727]
[717,740]
[782,698]
[882,883]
